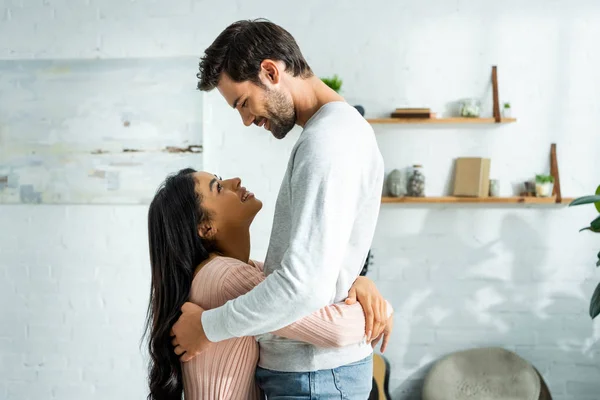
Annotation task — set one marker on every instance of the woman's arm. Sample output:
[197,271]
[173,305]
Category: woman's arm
[336,325]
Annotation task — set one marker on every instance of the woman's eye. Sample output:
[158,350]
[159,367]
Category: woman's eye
[244,104]
[219,188]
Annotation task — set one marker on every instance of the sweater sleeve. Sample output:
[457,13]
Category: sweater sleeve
[335,325]
[324,203]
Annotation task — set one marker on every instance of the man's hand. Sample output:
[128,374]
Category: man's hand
[188,334]
[385,334]
[373,304]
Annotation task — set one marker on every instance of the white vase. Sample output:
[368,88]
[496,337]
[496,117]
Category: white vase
[494,188]
[506,112]
[544,189]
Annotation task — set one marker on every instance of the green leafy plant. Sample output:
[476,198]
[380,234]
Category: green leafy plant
[506,105]
[544,179]
[594,227]
[335,83]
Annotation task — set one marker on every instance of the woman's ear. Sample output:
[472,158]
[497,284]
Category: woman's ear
[206,231]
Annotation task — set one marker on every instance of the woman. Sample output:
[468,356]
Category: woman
[199,233]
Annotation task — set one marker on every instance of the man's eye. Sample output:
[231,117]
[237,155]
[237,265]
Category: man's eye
[244,104]
[219,188]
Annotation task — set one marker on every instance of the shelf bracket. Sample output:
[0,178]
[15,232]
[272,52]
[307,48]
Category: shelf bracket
[554,173]
[497,116]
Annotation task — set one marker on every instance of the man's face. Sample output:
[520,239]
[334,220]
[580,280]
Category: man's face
[267,106]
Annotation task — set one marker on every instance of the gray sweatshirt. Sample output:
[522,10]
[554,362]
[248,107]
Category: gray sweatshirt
[325,219]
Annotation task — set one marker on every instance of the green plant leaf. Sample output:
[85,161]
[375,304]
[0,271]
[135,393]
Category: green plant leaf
[589,228]
[544,178]
[595,303]
[597,204]
[595,224]
[334,83]
[586,200]
[598,263]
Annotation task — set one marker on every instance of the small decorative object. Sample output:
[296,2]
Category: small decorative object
[360,109]
[396,183]
[470,108]
[529,188]
[544,185]
[506,110]
[416,182]
[334,83]
[472,177]
[494,187]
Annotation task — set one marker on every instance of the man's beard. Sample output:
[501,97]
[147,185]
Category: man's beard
[280,113]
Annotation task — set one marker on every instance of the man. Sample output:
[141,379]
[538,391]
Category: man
[324,222]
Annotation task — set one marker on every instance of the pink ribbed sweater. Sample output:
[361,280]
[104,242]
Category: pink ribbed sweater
[226,369]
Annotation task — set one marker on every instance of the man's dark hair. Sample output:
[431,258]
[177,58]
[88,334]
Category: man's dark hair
[241,48]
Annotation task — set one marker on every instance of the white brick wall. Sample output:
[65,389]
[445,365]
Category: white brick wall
[74,290]
[74,279]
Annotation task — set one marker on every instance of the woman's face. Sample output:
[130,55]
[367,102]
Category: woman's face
[230,205]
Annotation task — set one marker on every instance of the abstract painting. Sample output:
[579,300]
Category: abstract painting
[96,131]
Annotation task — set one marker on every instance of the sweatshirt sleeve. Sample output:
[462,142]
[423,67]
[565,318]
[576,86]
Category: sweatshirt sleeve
[325,194]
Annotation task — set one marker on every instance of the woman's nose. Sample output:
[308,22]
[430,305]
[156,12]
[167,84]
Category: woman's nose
[234,183]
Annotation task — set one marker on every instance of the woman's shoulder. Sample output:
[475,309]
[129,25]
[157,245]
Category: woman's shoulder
[210,278]
[223,278]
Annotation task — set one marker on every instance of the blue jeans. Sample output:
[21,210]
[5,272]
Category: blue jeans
[348,382]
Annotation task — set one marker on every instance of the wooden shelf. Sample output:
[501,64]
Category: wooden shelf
[440,121]
[474,200]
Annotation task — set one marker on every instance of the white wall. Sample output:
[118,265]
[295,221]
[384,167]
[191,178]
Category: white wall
[75,278]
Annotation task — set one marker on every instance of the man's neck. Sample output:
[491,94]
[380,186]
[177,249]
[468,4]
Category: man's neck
[309,95]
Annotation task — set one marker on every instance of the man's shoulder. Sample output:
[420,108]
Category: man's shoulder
[337,116]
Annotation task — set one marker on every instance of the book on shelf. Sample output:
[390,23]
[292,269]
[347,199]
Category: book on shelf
[409,110]
[412,113]
[413,116]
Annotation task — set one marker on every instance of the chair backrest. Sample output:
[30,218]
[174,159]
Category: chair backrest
[544,391]
[381,378]
[466,374]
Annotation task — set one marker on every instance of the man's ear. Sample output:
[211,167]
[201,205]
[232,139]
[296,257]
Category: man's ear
[206,231]
[269,70]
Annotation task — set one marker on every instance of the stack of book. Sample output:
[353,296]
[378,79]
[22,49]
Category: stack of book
[418,113]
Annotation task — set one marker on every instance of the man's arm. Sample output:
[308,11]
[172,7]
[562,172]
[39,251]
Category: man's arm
[325,193]
[336,325]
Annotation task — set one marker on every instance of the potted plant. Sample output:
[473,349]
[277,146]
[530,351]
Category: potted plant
[334,83]
[544,184]
[506,110]
[594,227]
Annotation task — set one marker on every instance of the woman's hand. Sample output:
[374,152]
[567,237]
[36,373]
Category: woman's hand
[374,306]
[385,334]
